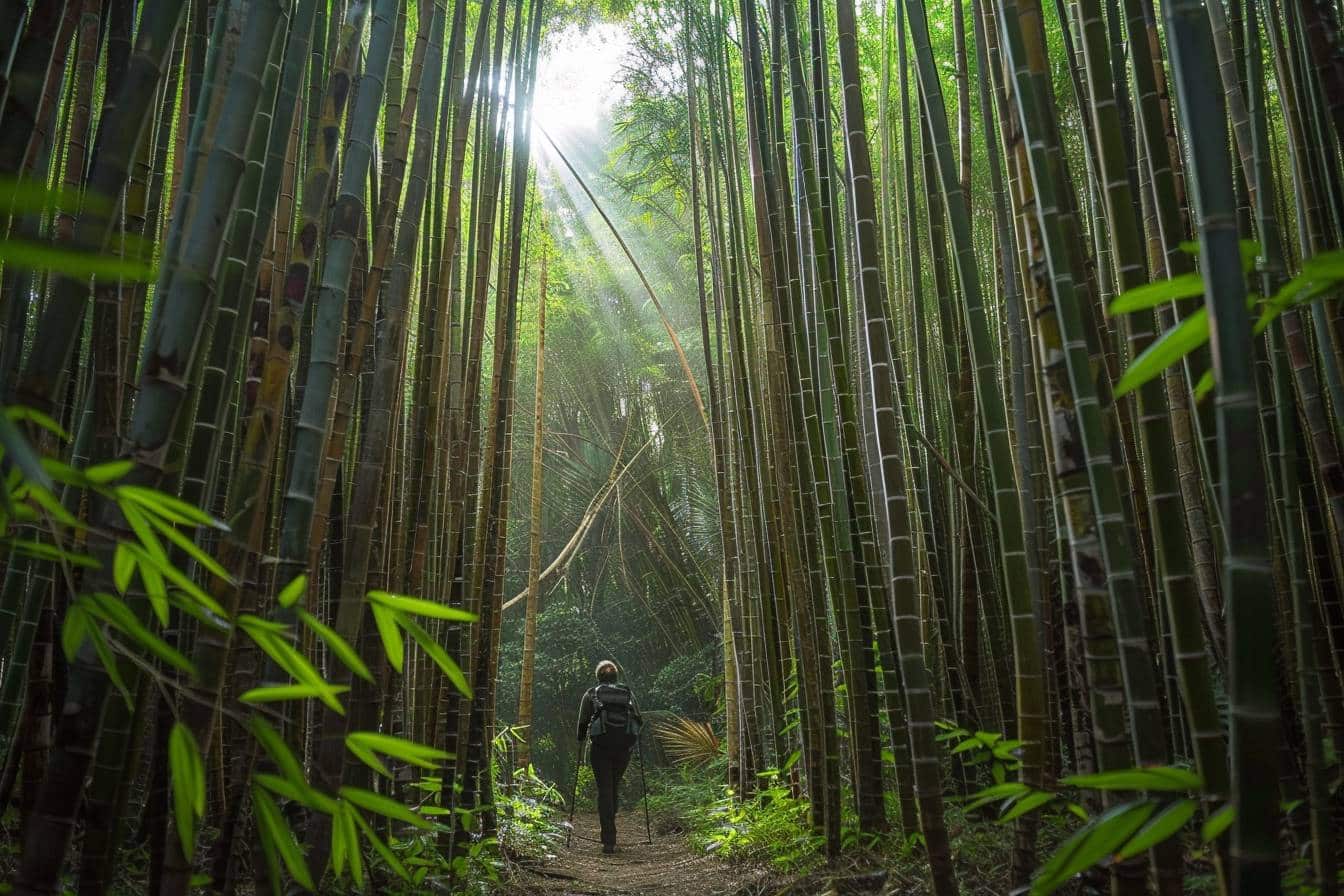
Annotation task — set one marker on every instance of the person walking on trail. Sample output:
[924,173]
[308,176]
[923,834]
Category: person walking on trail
[609,718]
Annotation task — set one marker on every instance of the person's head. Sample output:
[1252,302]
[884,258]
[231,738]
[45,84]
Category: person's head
[607,673]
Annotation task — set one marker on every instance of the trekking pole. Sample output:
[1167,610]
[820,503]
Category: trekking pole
[574,792]
[648,829]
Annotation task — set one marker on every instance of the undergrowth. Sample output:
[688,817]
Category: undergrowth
[773,828]
[770,827]
[527,812]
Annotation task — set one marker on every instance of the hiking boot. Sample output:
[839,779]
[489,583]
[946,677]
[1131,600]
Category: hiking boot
[609,848]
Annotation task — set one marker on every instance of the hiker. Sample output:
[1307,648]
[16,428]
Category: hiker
[609,718]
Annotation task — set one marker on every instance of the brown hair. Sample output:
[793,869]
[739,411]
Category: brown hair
[607,672]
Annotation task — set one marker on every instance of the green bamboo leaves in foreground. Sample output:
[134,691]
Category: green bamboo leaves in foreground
[106,621]
[1320,278]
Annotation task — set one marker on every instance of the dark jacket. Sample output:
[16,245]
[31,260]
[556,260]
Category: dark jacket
[588,709]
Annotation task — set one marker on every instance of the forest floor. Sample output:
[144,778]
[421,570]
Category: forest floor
[670,866]
[666,867]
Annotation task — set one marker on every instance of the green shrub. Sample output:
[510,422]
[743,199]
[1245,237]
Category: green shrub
[585,794]
[528,815]
[680,797]
[773,826]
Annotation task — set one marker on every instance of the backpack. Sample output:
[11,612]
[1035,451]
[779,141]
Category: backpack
[614,723]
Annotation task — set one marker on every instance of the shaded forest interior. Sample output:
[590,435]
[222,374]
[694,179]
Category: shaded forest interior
[935,407]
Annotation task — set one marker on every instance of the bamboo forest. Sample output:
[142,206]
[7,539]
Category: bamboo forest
[907,436]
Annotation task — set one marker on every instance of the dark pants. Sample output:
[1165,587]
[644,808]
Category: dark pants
[608,766]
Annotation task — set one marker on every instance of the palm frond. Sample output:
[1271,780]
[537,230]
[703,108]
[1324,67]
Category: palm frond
[687,741]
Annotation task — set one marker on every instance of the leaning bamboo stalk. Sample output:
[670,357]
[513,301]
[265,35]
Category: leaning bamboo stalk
[653,296]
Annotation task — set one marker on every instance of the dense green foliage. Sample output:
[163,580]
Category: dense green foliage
[934,406]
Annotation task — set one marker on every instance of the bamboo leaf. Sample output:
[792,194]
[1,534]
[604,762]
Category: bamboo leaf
[1299,290]
[73,263]
[337,645]
[109,471]
[1250,255]
[187,775]
[366,756]
[399,748]
[384,806]
[338,846]
[1217,823]
[273,830]
[298,792]
[1157,778]
[155,590]
[1009,791]
[54,507]
[190,589]
[26,196]
[1028,803]
[996,792]
[19,413]
[109,662]
[168,507]
[252,622]
[277,749]
[281,692]
[191,549]
[73,631]
[64,473]
[1166,824]
[40,550]
[348,818]
[380,847]
[1159,292]
[1166,350]
[439,656]
[273,861]
[1325,266]
[114,611]
[17,449]
[292,592]
[289,659]
[195,611]
[1204,386]
[123,567]
[149,542]
[279,786]
[966,745]
[1092,843]
[420,607]
[393,645]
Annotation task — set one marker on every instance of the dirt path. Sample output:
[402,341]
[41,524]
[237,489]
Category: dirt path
[666,867]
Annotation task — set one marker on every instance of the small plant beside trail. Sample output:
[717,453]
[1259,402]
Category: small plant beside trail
[529,806]
[771,826]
